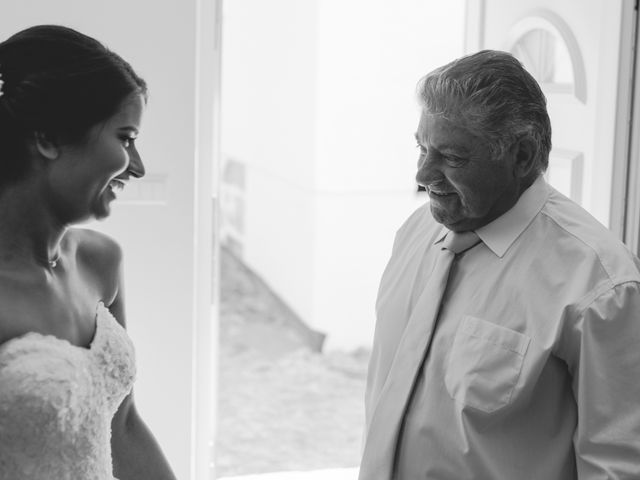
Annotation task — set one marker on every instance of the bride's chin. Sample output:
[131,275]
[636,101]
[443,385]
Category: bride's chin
[101,209]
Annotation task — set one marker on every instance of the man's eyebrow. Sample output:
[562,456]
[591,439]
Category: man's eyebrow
[456,149]
[445,147]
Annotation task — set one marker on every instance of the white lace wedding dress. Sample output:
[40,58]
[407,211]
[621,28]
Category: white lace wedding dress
[57,401]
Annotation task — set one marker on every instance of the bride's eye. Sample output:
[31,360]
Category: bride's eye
[127,141]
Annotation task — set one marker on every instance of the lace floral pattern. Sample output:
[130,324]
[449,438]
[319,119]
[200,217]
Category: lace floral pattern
[57,401]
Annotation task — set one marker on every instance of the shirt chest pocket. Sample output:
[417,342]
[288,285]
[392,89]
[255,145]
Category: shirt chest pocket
[484,364]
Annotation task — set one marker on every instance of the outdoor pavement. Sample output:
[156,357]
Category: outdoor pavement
[283,406]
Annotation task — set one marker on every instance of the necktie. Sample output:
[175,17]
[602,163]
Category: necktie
[382,436]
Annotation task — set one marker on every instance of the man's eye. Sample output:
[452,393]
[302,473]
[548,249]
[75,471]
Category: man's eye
[423,150]
[127,141]
[454,161]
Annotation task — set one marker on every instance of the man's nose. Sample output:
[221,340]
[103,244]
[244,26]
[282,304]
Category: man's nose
[427,170]
[136,167]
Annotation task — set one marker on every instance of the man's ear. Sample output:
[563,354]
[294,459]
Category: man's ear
[46,146]
[524,152]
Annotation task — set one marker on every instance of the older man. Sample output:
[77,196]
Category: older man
[507,341]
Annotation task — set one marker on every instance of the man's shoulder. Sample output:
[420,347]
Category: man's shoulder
[573,221]
[577,230]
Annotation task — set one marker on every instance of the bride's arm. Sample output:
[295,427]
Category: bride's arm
[136,454]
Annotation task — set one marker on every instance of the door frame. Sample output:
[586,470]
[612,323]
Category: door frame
[625,201]
[206,252]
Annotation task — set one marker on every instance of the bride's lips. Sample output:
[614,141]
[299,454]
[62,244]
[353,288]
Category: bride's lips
[116,185]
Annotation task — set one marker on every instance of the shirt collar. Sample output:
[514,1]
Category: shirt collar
[500,234]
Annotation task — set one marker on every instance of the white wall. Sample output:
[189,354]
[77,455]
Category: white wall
[158,233]
[328,141]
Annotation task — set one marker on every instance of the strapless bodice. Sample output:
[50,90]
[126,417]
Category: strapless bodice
[57,401]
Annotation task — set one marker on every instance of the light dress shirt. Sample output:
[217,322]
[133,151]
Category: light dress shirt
[533,370]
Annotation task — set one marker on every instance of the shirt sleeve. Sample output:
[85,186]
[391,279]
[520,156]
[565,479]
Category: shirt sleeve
[606,384]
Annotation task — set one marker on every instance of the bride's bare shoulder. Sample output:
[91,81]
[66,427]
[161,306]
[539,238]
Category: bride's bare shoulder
[94,245]
[98,255]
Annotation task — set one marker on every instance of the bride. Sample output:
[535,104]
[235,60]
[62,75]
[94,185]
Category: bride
[70,111]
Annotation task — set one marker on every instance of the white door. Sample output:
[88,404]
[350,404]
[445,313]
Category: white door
[580,53]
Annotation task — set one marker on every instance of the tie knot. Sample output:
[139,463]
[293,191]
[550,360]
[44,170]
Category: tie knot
[460,242]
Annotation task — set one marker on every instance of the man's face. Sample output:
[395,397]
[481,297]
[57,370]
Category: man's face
[468,187]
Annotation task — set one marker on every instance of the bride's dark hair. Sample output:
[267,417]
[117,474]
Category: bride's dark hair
[57,82]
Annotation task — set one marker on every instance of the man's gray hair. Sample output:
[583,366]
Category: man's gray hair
[493,96]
